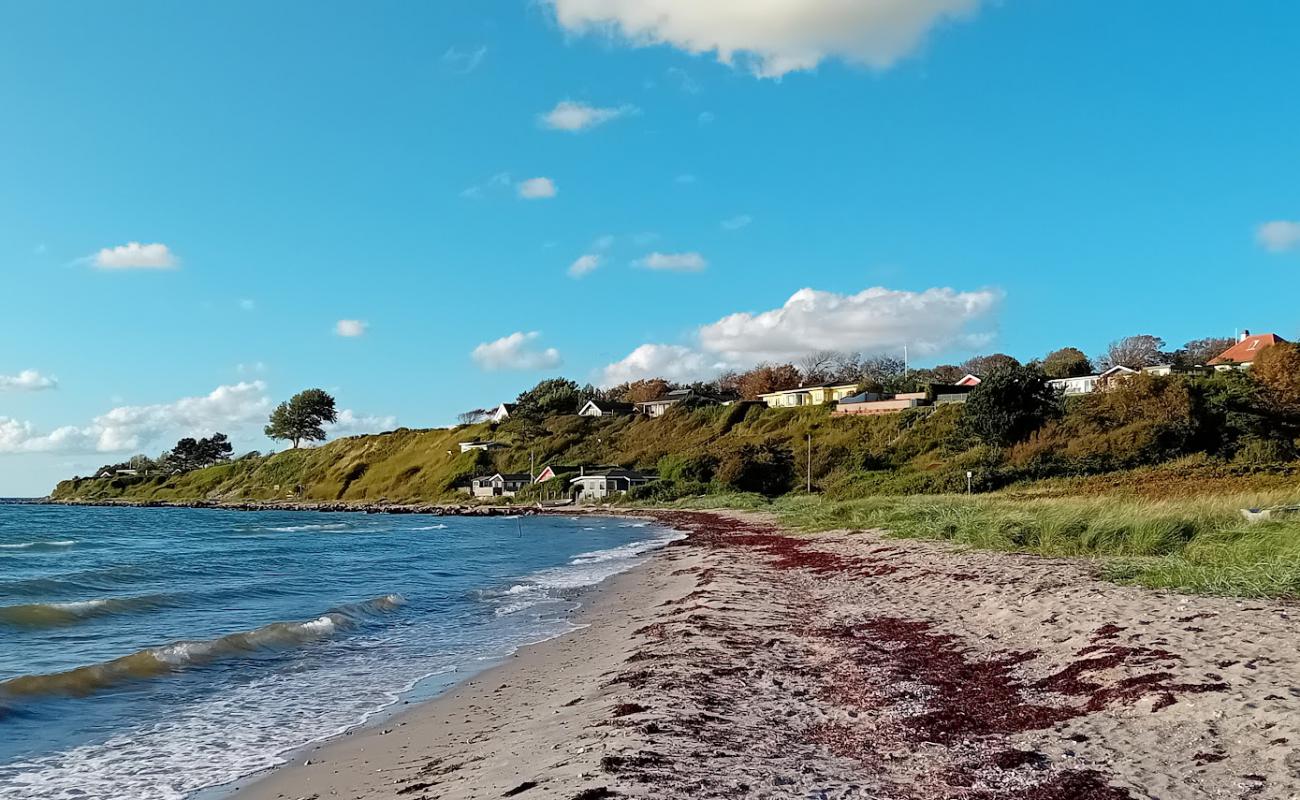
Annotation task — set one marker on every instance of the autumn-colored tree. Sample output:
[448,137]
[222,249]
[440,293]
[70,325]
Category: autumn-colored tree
[767,378]
[644,390]
[1277,371]
[1068,362]
[948,373]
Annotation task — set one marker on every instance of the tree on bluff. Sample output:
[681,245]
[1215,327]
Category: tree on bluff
[1009,405]
[1068,362]
[302,417]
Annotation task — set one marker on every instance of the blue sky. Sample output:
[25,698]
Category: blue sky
[1016,176]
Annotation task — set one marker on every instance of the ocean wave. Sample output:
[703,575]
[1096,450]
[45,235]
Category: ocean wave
[583,570]
[46,545]
[50,615]
[153,662]
[332,526]
[437,527]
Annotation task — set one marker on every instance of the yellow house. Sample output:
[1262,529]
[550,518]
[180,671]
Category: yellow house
[815,395]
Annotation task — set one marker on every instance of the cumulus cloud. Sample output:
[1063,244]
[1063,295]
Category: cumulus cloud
[737,222]
[536,188]
[515,352]
[1278,236]
[132,428]
[583,265]
[669,361]
[769,38]
[351,327]
[674,262]
[134,255]
[29,380]
[872,320]
[576,117]
[350,423]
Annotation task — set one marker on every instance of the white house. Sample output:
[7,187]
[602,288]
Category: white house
[1086,384]
[501,413]
[659,406]
[598,484]
[595,408]
[502,484]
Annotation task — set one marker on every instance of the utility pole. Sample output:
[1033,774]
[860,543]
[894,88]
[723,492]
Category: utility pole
[969,484]
[810,463]
[532,466]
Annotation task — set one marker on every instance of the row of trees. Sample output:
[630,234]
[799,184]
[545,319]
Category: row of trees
[299,419]
[879,373]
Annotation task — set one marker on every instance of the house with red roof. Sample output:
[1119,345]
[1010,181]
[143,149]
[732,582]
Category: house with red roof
[1242,354]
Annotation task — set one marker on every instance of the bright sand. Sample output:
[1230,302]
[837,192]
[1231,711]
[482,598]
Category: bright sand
[744,663]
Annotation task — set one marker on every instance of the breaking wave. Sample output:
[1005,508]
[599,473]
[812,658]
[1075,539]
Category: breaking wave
[47,545]
[50,615]
[156,662]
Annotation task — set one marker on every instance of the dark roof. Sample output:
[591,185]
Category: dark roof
[612,406]
[514,476]
[612,472]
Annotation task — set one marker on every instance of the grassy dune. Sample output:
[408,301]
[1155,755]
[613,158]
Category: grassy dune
[1200,545]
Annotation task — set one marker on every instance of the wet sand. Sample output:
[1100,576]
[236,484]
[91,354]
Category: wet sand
[744,663]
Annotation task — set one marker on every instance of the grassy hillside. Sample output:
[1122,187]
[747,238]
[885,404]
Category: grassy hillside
[922,451]
[427,465]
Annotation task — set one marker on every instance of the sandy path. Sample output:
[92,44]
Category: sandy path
[741,663]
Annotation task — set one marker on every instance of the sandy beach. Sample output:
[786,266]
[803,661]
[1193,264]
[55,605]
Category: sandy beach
[744,663]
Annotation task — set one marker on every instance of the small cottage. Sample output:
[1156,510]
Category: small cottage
[502,484]
[599,484]
[601,408]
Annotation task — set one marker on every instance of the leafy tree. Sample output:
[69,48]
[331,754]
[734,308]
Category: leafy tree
[766,468]
[762,379]
[302,417]
[643,391]
[190,454]
[549,397]
[1199,352]
[1068,362]
[980,366]
[1135,352]
[1009,404]
[947,373]
[1277,372]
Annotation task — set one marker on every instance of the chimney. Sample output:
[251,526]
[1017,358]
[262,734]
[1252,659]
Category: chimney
[1245,334]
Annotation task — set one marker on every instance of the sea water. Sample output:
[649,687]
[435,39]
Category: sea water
[153,653]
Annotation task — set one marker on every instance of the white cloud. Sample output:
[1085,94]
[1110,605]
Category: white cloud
[536,188]
[352,424]
[669,361]
[478,190]
[737,222]
[576,117]
[676,262]
[255,367]
[603,242]
[351,327]
[774,37]
[1278,236]
[132,428]
[684,80]
[464,61]
[515,352]
[134,255]
[872,320]
[584,264]
[29,380]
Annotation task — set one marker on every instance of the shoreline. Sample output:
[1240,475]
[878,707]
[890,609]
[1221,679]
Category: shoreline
[742,662]
[432,509]
[362,759]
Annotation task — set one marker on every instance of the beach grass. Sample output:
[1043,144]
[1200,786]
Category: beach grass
[1199,545]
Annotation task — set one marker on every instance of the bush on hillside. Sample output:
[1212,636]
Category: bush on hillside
[765,468]
[1011,403]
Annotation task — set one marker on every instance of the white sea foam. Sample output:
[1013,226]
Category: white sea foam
[38,545]
[333,526]
[585,569]
[437,527]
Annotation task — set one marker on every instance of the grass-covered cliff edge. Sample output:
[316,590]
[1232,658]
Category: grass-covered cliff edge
[925,451]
